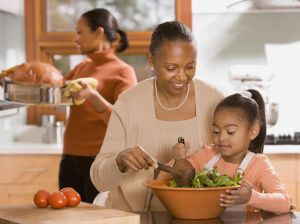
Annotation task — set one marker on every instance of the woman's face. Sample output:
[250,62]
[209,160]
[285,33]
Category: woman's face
[174,64]
[87,41]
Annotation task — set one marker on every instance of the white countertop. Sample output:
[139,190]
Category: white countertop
[282,149]
[30,148]
[44,148]
[28,140]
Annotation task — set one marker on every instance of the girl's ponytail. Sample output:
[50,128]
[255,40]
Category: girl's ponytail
[257,144]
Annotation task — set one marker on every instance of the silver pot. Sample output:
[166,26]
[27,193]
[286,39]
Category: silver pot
[53,130]
[34,93]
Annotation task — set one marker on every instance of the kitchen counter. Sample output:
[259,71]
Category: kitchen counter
[84,213]
[26,147]
[87,213]
[228,217]
[31,148]
[28,140]
[282,149]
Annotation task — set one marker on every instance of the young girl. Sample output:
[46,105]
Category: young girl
[239,131]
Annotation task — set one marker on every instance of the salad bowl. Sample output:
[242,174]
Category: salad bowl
[189,202]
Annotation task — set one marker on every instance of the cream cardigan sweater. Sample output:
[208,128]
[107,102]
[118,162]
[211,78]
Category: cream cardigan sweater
[133,123]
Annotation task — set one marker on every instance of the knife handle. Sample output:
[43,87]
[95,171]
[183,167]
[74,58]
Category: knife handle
[181,140]
[166,168]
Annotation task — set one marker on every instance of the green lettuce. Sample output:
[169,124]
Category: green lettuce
[211,178]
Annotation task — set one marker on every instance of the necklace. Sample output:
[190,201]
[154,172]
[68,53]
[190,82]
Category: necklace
[174,108]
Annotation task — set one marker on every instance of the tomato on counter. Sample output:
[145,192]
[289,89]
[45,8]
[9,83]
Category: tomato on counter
[73,197]
[41,198]
[57,199]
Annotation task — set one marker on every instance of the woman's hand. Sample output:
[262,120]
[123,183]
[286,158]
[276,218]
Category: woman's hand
[86,90]
[85,93]
[238,196]
[82,89]
[179,150]
[134,158]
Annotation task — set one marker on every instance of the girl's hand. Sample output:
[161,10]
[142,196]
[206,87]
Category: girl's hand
[134,158]
[238,196]
[179,150]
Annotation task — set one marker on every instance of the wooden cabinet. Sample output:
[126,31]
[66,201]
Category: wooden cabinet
[288,168]
[22,175]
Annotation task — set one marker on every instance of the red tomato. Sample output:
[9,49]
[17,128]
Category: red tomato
[57,199]
[41,199]
[67,188]
[73,198]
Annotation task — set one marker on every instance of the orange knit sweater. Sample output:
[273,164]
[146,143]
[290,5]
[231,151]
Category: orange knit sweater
[86,127]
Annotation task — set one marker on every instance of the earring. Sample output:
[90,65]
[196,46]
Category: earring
[152,71]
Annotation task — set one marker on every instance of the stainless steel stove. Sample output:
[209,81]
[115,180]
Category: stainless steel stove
[4,105]
[283,139]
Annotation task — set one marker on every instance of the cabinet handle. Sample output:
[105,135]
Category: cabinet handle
[29,174]
[33,169]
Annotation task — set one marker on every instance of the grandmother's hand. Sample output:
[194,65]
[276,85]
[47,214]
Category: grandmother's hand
[238,196]
[180,150]
[134,158]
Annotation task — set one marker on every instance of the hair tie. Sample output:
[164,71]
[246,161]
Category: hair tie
[246,94]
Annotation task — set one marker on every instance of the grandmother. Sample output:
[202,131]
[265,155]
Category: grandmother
[147,120]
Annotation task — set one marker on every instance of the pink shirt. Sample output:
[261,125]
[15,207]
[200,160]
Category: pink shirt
[268,192]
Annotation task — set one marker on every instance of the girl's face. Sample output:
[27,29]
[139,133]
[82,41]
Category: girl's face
[86,40]
[232,134]
[174,64]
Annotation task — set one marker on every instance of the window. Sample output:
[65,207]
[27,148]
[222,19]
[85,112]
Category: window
[132,15]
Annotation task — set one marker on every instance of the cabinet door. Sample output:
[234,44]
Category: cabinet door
[23,175]
[16,194]
[286,165]
[25,169]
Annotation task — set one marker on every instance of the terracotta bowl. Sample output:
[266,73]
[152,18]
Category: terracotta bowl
[189,203]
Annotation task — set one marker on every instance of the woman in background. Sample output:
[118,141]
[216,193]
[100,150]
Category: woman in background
[98,37]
